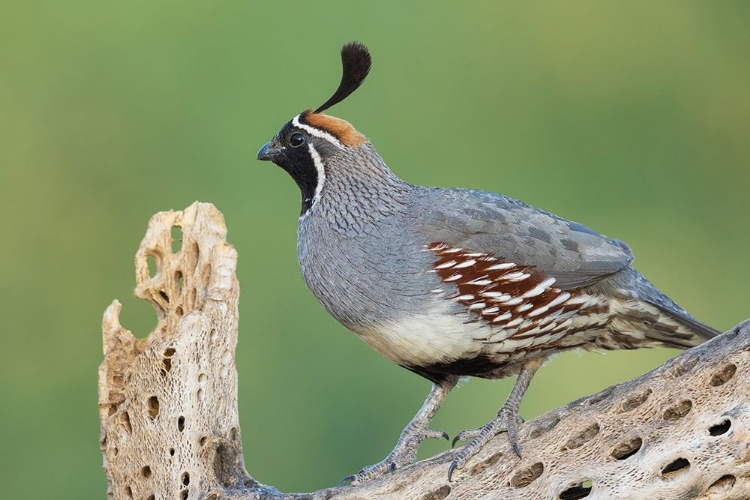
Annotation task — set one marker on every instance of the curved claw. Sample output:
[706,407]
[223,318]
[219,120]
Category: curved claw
[453,445]
[451,469]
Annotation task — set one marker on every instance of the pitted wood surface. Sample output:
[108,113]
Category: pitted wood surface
[168,403]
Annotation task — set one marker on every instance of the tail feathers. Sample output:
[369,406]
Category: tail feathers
[651,323]
[664,320]
[700,332]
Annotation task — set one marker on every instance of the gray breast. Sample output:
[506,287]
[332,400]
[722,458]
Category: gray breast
[374,275]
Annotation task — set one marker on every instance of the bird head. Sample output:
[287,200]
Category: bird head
[304,145]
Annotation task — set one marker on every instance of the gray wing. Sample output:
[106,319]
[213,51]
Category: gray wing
[574,255]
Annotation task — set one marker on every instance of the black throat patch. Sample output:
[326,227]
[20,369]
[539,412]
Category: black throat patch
[299,163]
[301,166]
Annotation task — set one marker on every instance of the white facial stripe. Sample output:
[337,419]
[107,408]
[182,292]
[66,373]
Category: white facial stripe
[316,132]
[321,176]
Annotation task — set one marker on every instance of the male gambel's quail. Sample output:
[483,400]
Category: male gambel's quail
[455,282]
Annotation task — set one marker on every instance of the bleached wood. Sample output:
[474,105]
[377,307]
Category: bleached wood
[168,403]
[692,412]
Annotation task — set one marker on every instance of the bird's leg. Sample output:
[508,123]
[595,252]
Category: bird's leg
[507,418]
[405,451]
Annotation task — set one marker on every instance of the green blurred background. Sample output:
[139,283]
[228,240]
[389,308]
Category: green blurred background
[630,118]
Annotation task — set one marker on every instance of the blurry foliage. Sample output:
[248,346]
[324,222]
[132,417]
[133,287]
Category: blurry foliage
[632,118]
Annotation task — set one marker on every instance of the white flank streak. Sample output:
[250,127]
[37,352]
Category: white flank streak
[491,310]
[496,295]
[593,300]
[454,277]
[321,176]
[577,300]
[454,250]
[502,317]
[468,296]
[515,322]
[524,307]
[473,255]
[564,324]
[513,302]
[446,265]
[478,305]
[497,267]
[547,328]
[540,288]
[466,263]
[549,317]
[559,299]
[479,282]
[553,336]
[436,290]
[316,132]
[537,311]
[516,276]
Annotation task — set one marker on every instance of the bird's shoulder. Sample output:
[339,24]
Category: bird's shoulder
[508,229]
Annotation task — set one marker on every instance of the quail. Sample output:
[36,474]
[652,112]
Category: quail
[451,283]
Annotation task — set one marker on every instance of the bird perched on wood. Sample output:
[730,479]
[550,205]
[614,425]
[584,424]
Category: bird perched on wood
[450,283]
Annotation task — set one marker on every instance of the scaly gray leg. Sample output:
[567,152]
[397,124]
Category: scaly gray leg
[507,418]
[405,451]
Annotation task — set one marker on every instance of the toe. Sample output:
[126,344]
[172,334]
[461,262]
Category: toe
[435,434]
[403,454]
[466,435]
[348,480]
[369,473]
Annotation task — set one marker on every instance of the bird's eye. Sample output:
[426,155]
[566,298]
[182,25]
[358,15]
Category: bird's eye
[297,140]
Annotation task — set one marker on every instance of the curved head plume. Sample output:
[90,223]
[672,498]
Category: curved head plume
[355,62]
[304,146]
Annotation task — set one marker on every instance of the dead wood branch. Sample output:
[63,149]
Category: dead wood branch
[170,427]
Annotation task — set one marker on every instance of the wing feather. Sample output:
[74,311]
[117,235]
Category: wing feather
[573,254]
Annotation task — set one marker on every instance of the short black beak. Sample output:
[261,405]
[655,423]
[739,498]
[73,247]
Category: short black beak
[268,153]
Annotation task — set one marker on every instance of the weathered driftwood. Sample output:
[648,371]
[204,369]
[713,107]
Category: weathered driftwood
[170,427]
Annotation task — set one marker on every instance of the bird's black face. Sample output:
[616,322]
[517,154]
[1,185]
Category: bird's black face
[302,156]
[289,150]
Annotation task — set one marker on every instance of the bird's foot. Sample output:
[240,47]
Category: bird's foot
[506,420]
[404,453]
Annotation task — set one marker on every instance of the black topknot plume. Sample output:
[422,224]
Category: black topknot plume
[355,62]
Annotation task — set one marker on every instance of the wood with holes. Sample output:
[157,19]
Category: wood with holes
[169,423]
[168,403]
